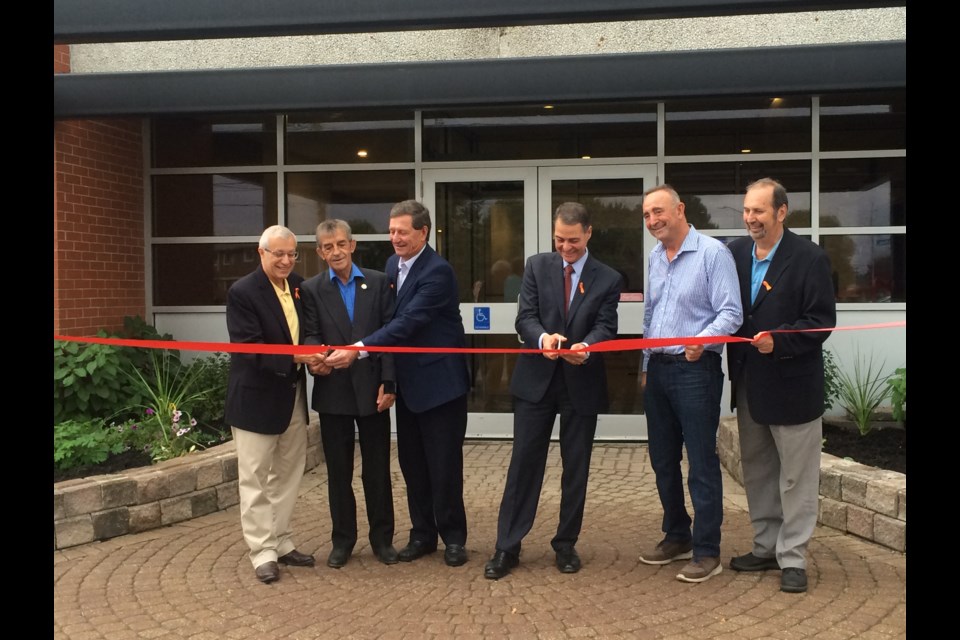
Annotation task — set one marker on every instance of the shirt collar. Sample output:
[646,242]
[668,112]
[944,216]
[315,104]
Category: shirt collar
[578,265]
[769,257]
[410,262]
[354,273]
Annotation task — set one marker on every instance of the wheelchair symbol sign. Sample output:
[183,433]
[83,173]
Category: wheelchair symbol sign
[481,318]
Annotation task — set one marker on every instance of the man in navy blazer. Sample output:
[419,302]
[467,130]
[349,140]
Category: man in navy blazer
[777,382]
[431,387]
[563,311]
[341,305]
[266,404]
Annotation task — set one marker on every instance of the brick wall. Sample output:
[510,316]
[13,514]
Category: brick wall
[98,221]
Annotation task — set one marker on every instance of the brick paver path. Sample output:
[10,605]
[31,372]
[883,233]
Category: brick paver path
[193,579]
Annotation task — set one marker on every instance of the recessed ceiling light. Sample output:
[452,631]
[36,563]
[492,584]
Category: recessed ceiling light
[362,153]
[776,102]
[548,106]
[584,157]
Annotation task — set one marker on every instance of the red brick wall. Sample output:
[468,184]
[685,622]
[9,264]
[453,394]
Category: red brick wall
[98,220]
[61,58]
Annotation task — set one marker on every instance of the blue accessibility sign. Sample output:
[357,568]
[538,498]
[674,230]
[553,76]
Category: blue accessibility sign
[481,318]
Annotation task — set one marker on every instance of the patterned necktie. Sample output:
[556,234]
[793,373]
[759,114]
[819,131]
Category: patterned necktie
[567,285]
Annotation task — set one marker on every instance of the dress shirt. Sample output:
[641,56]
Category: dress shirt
[348,291]
[759,269]
[574,281]
[695,294]
[405,267]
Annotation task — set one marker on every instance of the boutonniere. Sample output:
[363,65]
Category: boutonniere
[581,289]
[391,285]
[363,285]
[296,292]
[766,285]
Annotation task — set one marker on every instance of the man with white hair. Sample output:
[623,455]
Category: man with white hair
[266,405]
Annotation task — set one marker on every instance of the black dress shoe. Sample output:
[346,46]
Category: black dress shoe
[793,580]
[415,549]
[455,555]
[386,555]
[750,562]
[296,559]
[338,557]
[499,565]
[268,572]
[568,561]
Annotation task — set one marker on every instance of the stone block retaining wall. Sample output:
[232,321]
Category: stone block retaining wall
[866,501]
[102,507]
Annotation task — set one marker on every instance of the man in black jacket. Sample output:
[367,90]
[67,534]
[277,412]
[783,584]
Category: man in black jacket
[341,305]
[777,382]
[266,404]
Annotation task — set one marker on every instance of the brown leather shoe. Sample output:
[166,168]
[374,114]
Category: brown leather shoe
[268,572]
[296,559]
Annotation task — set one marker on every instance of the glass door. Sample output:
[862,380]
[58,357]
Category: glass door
[486,227]
[489,221]
[613,194]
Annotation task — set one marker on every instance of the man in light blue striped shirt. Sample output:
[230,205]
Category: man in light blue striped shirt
[693,291]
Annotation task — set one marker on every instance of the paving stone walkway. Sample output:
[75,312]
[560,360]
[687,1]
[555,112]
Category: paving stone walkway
[193,579]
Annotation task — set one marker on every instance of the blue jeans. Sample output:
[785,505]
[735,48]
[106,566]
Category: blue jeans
[682,401]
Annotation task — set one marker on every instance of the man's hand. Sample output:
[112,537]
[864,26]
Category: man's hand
[693,352]
[341,358]
[321,368]
[385,400]
[573,357]
[309,359]
[643,381]
[552,342]
[763,341]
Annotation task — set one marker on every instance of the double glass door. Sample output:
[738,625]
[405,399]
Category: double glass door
[487,222]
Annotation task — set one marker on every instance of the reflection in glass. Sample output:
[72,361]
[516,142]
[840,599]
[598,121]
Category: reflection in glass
[529,132]
[362,198]
[369,254]
[623,379]
[855,121]
[480,232]
[217,141]
[864,192]
[616,212]
[713,191]
[238,204]
[769,124]
[868,268]
[200,274]
[354,137]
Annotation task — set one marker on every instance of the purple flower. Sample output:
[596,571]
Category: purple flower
[150,411]
[183,432]
[176,415]
[134,427]
[193,422]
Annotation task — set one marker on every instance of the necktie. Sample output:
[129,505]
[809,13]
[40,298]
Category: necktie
[567,285]
[401,275]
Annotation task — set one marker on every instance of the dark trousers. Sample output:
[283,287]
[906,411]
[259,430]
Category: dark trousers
[532,425]
[430,451]
[682,402]
[336,433]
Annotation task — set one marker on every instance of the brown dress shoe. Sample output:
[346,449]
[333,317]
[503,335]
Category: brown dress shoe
[296,559]
[268,572]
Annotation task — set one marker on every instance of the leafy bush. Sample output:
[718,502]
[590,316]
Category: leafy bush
[831,380]
[88,379]
[214,371]
[82,443]
[863,392]
[898,394]
[170,390]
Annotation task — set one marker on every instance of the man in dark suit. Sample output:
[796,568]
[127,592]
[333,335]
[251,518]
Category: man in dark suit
[568,301]
[266,404]
[341,305]
[777,382]
[431,387]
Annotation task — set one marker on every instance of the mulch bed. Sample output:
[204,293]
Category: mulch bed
[884,447]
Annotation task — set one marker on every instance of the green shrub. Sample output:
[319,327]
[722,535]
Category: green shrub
[898,394]
[88,442]
[88,379]
[831,380]
[863,392]
[170,390]
[208,410]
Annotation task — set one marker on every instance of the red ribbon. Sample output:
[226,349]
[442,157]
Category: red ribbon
[624,344]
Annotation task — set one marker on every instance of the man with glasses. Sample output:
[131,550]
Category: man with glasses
[266,404]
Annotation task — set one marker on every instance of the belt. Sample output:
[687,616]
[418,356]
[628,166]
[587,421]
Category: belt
[671,358]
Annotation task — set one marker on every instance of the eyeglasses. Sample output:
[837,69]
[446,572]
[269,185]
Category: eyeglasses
[279,255]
